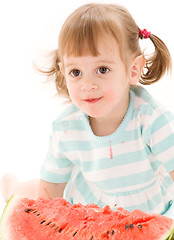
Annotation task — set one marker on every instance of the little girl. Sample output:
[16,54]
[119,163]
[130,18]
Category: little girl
[114,144]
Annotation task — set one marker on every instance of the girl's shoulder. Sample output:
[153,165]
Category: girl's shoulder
[68,114]
[142,96]
[149,109]
[146,102]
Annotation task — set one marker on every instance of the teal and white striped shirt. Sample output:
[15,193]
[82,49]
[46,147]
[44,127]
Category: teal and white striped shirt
[129,168]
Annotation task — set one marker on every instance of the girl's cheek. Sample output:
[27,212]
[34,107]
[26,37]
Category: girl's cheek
[72,90]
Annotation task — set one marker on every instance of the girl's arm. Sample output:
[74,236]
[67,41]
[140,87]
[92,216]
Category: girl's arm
[49,190]
[34,188]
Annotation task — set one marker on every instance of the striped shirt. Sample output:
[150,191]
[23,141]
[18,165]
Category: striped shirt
[129,168]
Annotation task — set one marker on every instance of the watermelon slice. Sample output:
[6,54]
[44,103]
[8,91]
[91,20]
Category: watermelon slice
[27,219]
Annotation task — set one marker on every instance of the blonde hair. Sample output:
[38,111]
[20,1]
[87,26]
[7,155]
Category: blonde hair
[88,23]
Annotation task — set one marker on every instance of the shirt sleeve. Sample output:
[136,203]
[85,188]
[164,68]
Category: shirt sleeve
[159,136]
[56,167]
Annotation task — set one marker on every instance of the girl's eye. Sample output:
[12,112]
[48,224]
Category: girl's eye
[75,73]
[103,70]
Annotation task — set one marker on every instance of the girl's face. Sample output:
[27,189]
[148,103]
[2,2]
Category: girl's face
[98,85]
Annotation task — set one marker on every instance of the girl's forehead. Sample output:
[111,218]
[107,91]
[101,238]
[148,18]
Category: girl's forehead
[104,46]
[107,48]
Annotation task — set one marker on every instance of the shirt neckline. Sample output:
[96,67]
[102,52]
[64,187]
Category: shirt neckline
[120,129]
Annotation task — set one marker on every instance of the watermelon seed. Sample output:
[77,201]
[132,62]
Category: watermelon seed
[108,233]
[42,222]
[127,226]
[131,226]
[27,210]
[38,214]
[48,223]
[139,226]
[60,230]
[35,212]
[91,238]
[74,233]
[112,232]
[53,225]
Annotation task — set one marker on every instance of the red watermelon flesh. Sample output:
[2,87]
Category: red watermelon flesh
[27,219]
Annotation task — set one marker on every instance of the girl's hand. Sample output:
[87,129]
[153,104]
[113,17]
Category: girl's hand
[172,175]
[49,190]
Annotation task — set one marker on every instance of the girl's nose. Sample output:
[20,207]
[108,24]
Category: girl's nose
[89,85]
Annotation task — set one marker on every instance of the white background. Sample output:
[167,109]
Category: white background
[28,105]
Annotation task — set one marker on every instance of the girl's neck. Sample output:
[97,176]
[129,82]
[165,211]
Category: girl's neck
[108,125]
[104,128]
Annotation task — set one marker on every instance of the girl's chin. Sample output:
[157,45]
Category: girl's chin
[94,114]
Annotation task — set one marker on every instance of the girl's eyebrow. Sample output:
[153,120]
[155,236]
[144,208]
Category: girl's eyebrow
[106,61]
[69,64]
[98,61]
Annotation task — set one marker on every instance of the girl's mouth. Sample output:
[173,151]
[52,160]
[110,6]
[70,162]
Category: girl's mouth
[92,100]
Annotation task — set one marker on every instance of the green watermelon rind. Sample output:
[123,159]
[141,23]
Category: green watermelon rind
[11,202]
[171,235]
[14,201]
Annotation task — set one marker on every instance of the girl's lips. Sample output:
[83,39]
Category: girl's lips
[92,100]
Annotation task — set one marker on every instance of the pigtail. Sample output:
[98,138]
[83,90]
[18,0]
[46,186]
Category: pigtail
[158,64]
[54,73]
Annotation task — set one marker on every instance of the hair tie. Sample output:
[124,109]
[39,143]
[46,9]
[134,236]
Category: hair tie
[144,34]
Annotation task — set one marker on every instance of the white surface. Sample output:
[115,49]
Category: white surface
[27,106]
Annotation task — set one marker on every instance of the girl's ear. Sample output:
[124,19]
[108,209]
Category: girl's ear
[136,69]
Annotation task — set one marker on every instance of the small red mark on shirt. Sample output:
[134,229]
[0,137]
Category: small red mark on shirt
[111,153]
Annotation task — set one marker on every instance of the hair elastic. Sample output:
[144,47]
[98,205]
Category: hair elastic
[144,34]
